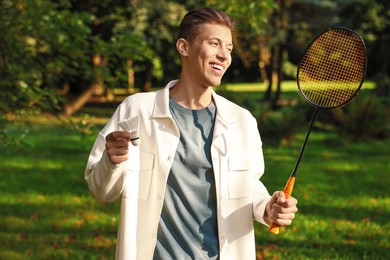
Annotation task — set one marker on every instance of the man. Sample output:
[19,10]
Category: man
[191,189]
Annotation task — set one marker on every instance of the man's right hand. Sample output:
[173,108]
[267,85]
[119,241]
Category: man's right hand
[117,146]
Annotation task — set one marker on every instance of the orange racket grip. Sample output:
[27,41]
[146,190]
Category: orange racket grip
[274,228]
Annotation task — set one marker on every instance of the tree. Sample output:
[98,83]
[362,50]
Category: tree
[77,49]
[261,37]
[116,45]
[372,20]
[128,38]
[162,19]
[35,50]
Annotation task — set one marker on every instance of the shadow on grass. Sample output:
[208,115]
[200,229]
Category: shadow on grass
[47,211]
[312,249]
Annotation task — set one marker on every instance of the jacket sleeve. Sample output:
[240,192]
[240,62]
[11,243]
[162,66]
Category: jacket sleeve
[105,179]
[261,198]
[261,195]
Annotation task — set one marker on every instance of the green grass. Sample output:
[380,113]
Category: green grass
[47,211]
[344,205]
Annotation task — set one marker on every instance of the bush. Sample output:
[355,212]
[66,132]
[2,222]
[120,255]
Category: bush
[280,126]
[276,126]
[366,118]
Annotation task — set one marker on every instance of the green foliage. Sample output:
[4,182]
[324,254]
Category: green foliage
[83,125]
[367,117]
[48,46]
[10,139]
[372,20]
[276,126]
[252,16]
[281,125]
[38,46]
[139,32]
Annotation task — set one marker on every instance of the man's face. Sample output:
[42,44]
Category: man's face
[209,55]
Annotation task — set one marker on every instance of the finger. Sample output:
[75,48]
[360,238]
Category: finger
[284,221]
[281,197]
[275,197]
[282,212]
[118,135]
[117,155]
[282,218]
[288,203]
[117,151]
[277,209]
[117,143]
[117,159]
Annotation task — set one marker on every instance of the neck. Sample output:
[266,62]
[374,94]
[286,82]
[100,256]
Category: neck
[191,96]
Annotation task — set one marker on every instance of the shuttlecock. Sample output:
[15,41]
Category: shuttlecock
[131,125]
[134,138]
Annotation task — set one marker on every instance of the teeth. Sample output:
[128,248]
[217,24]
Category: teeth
[215,66]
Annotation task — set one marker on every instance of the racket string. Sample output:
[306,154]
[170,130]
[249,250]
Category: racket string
[331,70]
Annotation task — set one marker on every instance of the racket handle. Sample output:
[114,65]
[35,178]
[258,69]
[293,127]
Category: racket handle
[274,228]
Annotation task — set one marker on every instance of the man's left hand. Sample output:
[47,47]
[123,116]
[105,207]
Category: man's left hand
[280,210]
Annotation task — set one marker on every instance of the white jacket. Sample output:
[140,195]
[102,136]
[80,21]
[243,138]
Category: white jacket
[140,182]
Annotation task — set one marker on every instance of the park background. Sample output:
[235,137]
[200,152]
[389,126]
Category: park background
[65,65]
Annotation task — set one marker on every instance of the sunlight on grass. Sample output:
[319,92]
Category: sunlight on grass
[27,165]
[55,225]
[286,86]
[343,167]
[47,211]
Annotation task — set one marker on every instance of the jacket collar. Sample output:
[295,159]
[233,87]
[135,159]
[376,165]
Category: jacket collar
[161,106]
[224,109]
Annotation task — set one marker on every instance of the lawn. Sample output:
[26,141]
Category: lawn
[344,204]
[47,212]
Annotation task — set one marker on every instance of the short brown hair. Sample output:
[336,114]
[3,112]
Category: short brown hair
[189,26]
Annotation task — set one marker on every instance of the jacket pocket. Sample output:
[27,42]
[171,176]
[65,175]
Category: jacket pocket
[139,179]
[240,178]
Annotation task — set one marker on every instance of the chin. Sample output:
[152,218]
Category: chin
[212,81]
[215,83]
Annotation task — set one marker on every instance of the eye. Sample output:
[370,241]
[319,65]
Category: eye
[214,43]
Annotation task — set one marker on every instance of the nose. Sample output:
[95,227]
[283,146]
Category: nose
[223,54]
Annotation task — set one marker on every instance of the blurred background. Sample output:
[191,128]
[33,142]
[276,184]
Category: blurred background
[66,64]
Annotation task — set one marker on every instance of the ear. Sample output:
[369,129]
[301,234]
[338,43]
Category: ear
[182,46]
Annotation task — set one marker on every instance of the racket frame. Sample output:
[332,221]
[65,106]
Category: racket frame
[274,228]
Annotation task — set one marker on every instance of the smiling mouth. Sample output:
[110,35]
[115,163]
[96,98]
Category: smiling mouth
[216,66]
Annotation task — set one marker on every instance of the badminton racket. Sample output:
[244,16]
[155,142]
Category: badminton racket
[330,74]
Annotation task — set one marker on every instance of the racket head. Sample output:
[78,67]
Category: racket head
[333,67]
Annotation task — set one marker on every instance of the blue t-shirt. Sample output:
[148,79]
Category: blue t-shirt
[188,223]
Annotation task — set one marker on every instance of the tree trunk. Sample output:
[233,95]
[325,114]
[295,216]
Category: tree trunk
[75,105]
[264,58]
[95,88]
[148,82]
[270,68]
[279,75]
[283,24]
[130,77]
